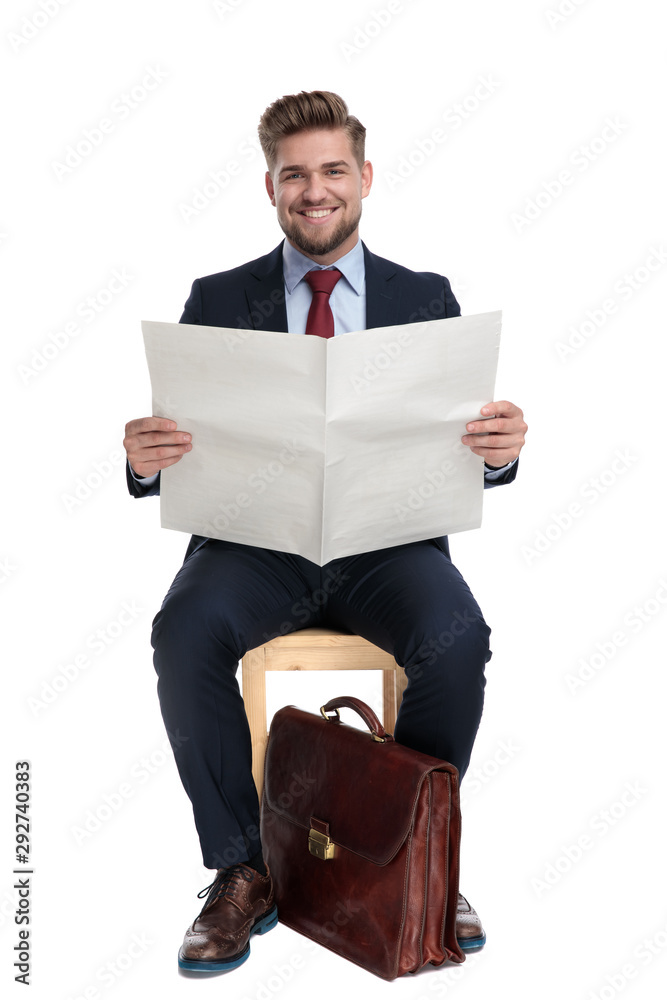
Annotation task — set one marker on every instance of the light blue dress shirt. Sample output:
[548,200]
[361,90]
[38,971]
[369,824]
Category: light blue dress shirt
[347,300]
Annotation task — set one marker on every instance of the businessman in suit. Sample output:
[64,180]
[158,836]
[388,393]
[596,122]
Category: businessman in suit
[227,597]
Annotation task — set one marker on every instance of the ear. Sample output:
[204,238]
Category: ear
[269,188]
[366,178]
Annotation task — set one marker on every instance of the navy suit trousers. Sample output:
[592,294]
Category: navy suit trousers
[409,600]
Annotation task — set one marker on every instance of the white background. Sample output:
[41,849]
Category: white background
[548,760]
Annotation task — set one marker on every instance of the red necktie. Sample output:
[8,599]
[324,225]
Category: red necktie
[320,318]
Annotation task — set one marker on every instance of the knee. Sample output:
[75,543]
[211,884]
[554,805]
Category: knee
[464,636]
[187,619]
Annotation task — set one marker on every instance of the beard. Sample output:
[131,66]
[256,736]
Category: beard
[316,244]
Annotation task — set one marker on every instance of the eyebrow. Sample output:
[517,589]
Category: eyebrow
[325,166]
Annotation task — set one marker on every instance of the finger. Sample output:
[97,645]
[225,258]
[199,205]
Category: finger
[501,425]
[493,424]
[506,430]
[151,439]
[158,454]
[501,407]
[146,469]
[149,424]
[141,447]
[496,456]
[481,441]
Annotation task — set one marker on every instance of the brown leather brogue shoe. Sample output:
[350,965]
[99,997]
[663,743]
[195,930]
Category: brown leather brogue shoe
[469,932]
[239,904]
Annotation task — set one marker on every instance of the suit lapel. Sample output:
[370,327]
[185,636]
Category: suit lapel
[382,295]
[264,290]
[265,293]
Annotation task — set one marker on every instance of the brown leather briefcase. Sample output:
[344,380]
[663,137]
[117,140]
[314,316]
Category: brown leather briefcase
[362,835]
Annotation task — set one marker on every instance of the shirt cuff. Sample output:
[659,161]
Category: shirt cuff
[497,473]
[145,481]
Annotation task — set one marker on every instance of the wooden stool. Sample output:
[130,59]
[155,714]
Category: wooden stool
[313,649]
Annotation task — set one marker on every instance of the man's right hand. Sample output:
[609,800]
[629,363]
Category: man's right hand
[153,443]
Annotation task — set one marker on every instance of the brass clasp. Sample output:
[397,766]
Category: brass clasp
[321,845]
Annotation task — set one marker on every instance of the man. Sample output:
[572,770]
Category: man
[228,597]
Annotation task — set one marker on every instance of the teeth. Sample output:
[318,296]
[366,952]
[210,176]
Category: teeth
[318,214]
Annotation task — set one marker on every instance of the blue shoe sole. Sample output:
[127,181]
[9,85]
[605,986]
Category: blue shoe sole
[261,927]
[472,944]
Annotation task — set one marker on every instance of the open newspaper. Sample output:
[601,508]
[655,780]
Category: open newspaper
[324,448]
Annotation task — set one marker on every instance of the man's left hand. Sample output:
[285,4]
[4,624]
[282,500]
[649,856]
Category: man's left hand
[500,439]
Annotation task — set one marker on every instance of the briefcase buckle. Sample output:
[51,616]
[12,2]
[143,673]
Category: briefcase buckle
[321,845]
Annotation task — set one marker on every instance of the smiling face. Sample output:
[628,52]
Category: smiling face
[317,186]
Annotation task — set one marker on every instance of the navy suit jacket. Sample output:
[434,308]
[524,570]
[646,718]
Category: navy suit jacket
[252,296]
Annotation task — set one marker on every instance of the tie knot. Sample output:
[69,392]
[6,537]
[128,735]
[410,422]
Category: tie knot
[323,281]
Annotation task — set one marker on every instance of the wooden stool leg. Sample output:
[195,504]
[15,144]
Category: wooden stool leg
[389,700]
[254,696]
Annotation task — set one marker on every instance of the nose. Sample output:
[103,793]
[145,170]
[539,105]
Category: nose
[315,190]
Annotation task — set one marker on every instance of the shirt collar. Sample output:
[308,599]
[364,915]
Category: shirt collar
[296,265]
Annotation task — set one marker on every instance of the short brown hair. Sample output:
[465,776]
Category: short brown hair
[314,110]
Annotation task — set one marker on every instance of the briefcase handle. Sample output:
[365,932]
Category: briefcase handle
[378,732]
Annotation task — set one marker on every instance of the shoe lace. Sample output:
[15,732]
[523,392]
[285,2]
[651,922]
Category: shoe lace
[224,884]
